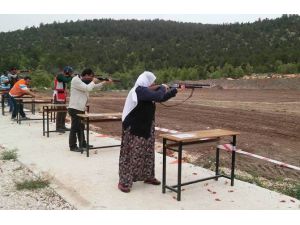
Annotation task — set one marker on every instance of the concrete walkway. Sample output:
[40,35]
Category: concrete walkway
[91,183]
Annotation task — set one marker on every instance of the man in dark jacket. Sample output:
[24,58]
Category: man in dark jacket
[60,96]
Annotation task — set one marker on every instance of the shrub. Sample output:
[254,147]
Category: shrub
[32,184]
[9,154]
[41,79]
[287,68]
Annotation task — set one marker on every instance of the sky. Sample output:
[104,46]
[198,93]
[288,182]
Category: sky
[16,14]
[20,21]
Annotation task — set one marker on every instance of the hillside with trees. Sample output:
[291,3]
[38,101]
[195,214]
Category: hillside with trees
[173,50]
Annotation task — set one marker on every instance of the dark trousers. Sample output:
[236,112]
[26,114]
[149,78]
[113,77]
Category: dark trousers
[77,129]
[60,118]
[17,108]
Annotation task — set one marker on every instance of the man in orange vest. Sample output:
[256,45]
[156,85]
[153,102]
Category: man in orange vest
[60,96]
[19,89]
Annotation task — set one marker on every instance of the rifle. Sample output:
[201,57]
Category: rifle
[24,71]
[189,86]
[89,80]
[185,86]
[107,79]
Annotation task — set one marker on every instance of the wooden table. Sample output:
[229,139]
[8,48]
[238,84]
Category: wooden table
[97,117]
[3,92]
[33,102]
[49,109]
[194,137]
[53,108]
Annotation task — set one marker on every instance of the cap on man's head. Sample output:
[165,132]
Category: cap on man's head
[68,69]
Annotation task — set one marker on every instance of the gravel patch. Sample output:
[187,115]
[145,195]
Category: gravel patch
[11,172]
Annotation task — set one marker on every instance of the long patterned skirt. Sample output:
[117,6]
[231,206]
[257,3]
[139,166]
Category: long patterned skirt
[137,158]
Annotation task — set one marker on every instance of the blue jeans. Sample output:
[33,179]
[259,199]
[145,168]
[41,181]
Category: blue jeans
[18,108]
[10,103]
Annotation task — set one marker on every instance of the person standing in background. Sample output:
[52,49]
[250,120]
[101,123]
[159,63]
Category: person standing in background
[13,76]
[5,87]
[18,90]
[60,96]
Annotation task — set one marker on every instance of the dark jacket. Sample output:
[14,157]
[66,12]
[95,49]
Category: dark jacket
[141,117]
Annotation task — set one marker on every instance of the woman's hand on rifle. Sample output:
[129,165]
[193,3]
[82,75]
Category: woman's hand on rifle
[166,86]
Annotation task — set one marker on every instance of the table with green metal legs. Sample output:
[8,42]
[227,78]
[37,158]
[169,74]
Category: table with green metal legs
[33,102]
[97,117]
[194,137]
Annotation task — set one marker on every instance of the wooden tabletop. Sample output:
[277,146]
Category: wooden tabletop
[56,104]
[35,100]
[101,115]
[24,97]
[4,90]
[197,135]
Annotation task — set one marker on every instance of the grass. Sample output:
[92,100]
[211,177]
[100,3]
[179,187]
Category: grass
[9,154]
[293,191]
[287,187]
[282,185]
[32,184]
[297,191]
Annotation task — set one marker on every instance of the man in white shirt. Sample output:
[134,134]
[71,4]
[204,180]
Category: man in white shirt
[81,85]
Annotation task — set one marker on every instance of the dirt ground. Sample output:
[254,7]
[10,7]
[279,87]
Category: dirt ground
[268,120]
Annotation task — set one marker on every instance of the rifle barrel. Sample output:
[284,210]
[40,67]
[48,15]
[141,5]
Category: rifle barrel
[107,79]
[25,71]
[184,85]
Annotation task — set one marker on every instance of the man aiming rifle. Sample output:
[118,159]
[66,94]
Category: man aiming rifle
[81,85]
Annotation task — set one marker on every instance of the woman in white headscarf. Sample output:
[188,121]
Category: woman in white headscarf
[137,147]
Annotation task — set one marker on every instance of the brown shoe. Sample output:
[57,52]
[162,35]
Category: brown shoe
[153,181]
[123,188]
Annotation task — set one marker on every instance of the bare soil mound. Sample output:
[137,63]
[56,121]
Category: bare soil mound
[265,111]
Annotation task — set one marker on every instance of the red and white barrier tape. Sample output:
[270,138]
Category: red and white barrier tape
[166,130]
[228,147]
[101,135]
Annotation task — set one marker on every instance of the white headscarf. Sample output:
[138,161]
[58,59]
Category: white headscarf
[145,80]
